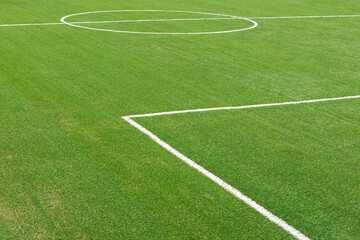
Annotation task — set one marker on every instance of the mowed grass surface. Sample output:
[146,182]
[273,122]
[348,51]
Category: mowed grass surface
[70,167]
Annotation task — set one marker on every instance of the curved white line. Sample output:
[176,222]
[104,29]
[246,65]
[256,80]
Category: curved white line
[63,20]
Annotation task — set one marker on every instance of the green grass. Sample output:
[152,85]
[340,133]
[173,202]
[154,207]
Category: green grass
[71,168]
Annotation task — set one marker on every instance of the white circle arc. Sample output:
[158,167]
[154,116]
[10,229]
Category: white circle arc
[63,20]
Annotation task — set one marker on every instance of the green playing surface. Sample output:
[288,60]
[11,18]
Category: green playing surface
[72,168]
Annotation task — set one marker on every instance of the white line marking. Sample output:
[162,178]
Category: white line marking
[30,24]
[64,20]
[278,221]
[294,17]
[263,18]
[161,20]
[121,21]
[242,107]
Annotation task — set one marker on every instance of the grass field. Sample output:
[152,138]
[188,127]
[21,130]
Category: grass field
[72,168]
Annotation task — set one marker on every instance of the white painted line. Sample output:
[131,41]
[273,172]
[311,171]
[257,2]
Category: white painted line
[66,21]
[294,17]
[29,24]
[278,221]
[263,18]
[242,107]
[161,20]
[121,21]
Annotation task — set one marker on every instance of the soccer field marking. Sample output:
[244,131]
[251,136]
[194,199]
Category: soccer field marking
[30,24]
[295,17]
[278,221]
[121,21]
[161,20]
[242,107]
[255,24]
[234,18]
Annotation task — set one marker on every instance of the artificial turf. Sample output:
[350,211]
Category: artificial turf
[71,168]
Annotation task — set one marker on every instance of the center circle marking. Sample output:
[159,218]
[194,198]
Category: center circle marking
[65,21]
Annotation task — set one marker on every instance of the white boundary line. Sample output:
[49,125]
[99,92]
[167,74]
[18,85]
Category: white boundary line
[220,182]
[242,107]
[162,20]
[294,17]
[29,24]
[119,21]
[260,18]
[278,221]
